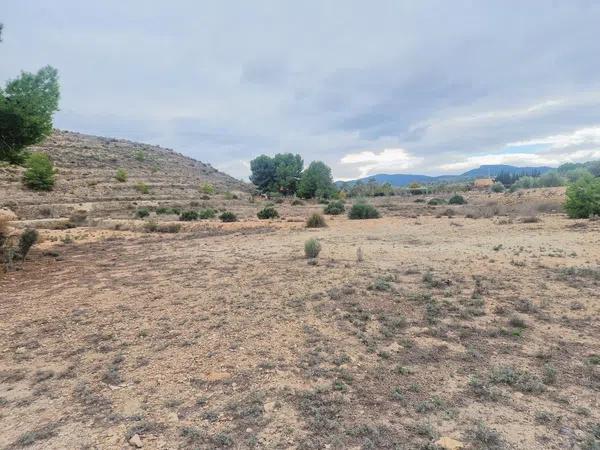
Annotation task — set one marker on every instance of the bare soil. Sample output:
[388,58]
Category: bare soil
[484,330]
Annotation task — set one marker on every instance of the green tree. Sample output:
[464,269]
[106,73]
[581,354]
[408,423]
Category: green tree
[264,173]
[27,104]
[583,198]
[316,181]
[288,168]
[40,172]
[278,174]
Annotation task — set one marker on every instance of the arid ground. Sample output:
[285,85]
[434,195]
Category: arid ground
[482,328]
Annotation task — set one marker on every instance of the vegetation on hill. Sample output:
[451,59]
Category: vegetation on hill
[583,198]
[27,105]
[40,172]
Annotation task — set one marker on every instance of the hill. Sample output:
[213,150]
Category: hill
[86,167]
[400,179]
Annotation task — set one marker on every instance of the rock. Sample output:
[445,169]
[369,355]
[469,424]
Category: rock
[136,441]
[449,444]
[7,214]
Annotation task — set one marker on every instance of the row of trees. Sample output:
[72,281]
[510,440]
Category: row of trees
[284,173]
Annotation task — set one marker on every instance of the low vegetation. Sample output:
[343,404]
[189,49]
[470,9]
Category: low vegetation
[267,213]
[335,208]
[316,220]
[363,211]
[228,216]
[40,172]
[312,248]
[583,198]
[121,175]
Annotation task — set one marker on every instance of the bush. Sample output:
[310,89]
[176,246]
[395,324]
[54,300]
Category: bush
[163,210]
[142,212]
[40,172]
[436,201]
[363,211]
[497,187]
[121,175]
[583,198]
[142,188]
[207,189]
[26,241]
[316,220]
[457,199]
[267,213]
[140,155]
[207,213]
[335,207]
[188,216]
[297,202]
[228,216]
[312,248]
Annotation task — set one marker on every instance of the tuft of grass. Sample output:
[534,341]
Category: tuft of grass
[486,438]
[142,187]
[316,220]
[312,248]
[121,175]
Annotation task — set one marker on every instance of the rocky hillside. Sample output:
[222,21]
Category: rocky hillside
[86,168]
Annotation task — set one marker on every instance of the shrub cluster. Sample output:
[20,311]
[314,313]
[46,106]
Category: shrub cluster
[583,198]
[267,213]
[335,207]
[457,199]
[188,216]
[228,216]
[207,213]
[363,211]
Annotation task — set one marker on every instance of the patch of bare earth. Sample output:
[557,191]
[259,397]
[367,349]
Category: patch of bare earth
[484,331]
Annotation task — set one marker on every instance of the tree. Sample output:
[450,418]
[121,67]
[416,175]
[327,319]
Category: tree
[316,181]
[263,173]
[40,172]
[278,174]
[27,105]
[288,169]
[583,198]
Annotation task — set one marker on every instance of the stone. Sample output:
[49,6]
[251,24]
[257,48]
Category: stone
[449,444]
[136,441]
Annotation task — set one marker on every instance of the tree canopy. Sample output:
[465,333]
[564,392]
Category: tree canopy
[316,181]
[280,173]
[27,105]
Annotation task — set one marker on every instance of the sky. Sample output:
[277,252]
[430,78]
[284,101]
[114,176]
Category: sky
[431,87]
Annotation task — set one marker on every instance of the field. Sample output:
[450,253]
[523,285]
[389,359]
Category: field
[478,324]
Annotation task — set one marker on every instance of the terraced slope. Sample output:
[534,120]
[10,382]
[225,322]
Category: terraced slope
[86,178]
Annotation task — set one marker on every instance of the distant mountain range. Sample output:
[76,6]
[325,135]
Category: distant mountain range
[400,179]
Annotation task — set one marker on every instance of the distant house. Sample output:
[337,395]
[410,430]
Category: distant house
[483,183]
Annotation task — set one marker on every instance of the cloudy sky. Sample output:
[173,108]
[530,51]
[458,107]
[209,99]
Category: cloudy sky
[367,86]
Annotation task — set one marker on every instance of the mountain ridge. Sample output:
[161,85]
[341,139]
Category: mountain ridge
[486,170]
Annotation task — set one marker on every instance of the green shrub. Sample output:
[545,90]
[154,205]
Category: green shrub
[121,175]
[267,213]
[335,207]
[142,212]
[26,241]
[497,187]
[316,220]
[207,188]
[363,211]
[312,248]
[583,198]
[140,155]
[207,213]
[457,199]
[164,210]
[228,216]
[436,201]
[188,216]
[142,188]
[40,172]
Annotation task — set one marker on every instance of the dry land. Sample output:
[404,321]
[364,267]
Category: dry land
[479,324]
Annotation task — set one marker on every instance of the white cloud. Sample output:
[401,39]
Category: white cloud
[389,160]
[584,136]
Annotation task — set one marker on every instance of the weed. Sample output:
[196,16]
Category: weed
[312,248]
[316,220]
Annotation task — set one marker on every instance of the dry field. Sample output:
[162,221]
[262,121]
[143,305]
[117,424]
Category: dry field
[484,330]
